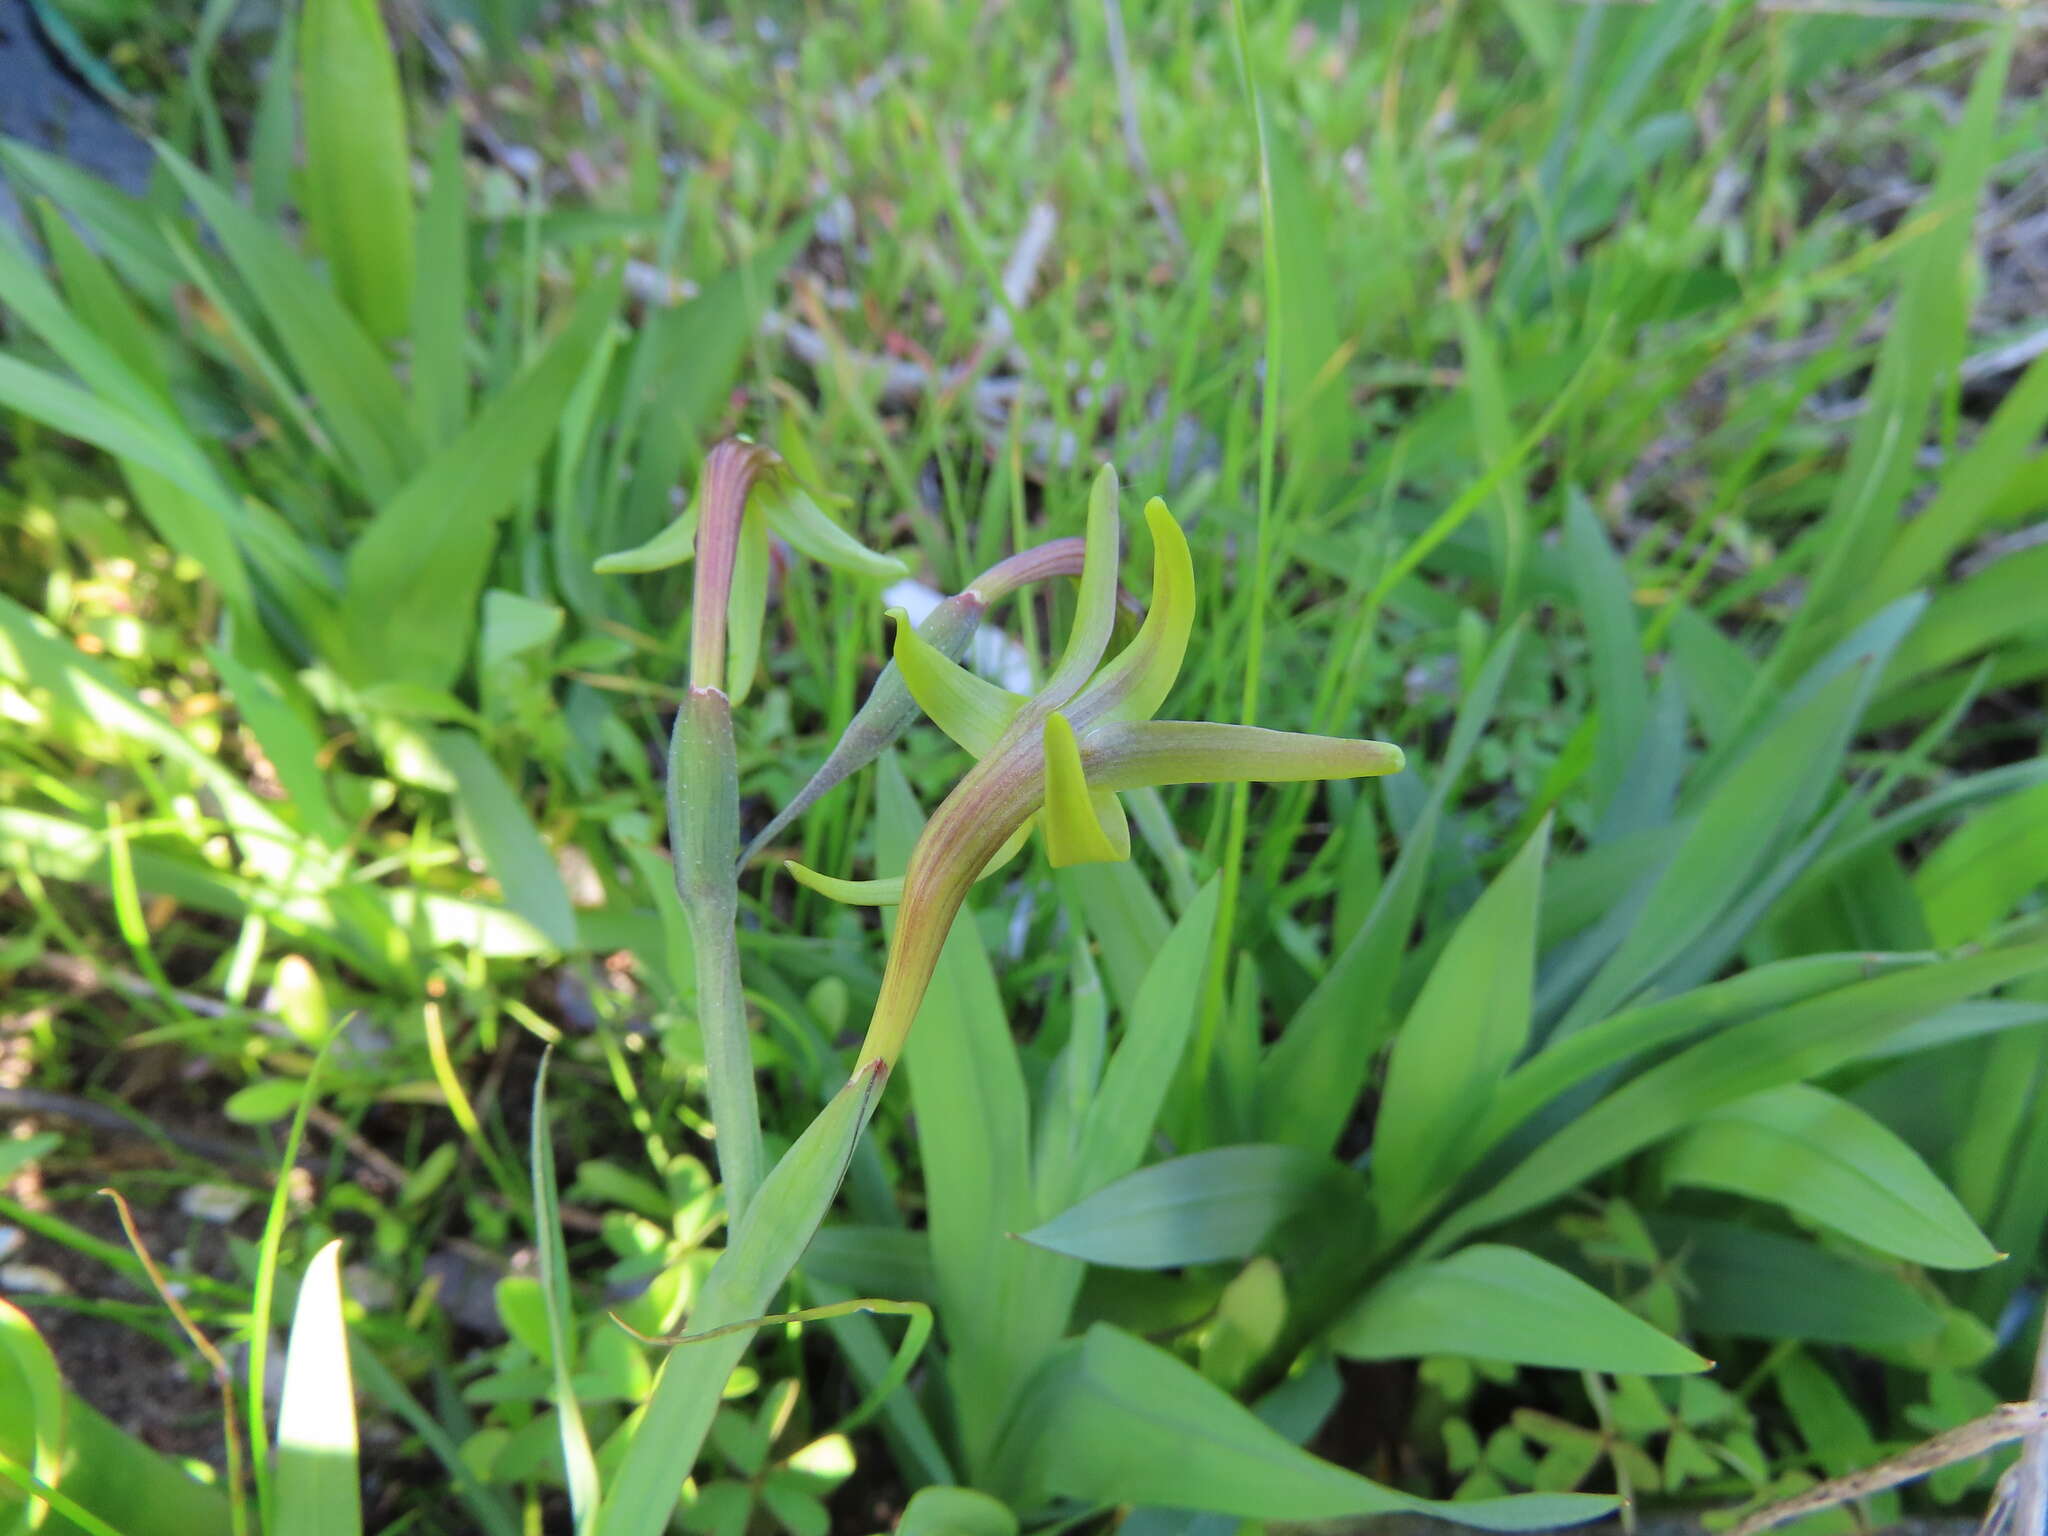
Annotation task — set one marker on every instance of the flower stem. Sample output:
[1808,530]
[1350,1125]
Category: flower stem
[703,829]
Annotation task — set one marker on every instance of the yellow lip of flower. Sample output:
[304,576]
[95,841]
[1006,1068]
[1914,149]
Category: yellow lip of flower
[1062,754]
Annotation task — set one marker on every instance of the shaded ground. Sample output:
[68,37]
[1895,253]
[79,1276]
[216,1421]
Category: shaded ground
[44,103]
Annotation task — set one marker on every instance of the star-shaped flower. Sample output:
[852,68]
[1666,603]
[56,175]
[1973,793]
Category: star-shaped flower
[1058,758]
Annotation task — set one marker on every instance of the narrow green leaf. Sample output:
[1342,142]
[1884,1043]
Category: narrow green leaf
[1468,1026]
[1994,608]
[1498,1303]
[1780,1047]
[1716,672]
[1005,1303]
[1307,337]
[125,227]
[358,174]
[1922,346]
[263,1292]
[1313,1077]
[350,380]
[1985,867]
[1126,918]
[1748,1284]
[32,1405]
[318,1484]
[1118,1421]
[1633,1035]
[101,303]
[1161,1021]
[955,1512]
[581,1465]
[291,745]
[1828,1161]
[1620,692]
[1759,805]
[1968,496]
[505,836]
[273,136]
[1199,1209]
[415,573]
[1494,432]
[99,336]
[440,298]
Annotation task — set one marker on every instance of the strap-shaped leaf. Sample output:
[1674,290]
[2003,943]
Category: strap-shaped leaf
[971,710]
[1095,607]
[1081,827]
[1501,1303]
[1133,686]
[1198,752]
[1833,1163]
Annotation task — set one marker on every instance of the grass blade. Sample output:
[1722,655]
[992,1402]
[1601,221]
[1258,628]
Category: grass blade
[440,300]
[1923,345]
[1469,1024]
[348,376]
[1786,1046]
[319,1491]
[1621,695]
[358,176]
[264,1294]
[580,1463]
[505,836]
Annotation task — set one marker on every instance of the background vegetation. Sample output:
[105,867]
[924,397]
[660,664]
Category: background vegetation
[1630,410]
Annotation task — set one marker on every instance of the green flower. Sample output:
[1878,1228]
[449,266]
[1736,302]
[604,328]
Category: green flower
[890,709]
[1058,759]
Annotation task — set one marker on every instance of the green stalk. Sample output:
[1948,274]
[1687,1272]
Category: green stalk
[703,831]
[704,825]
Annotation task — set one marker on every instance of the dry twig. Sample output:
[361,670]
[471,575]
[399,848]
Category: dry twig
[2001,1426]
